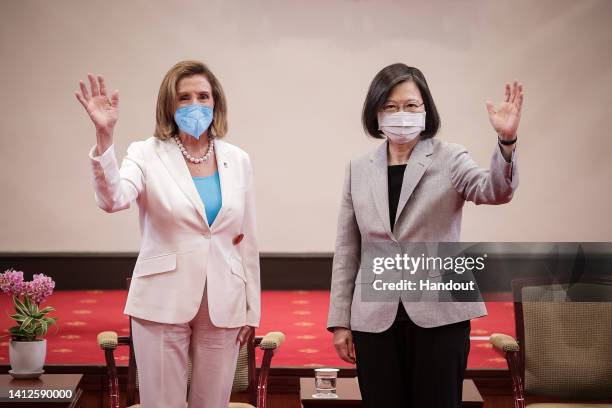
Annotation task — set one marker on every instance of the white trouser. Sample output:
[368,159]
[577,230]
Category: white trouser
[162,351]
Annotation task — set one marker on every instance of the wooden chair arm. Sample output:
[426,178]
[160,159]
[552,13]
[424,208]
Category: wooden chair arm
[269,343]
[272,341]
[108,340]
[510,349]
[503,342]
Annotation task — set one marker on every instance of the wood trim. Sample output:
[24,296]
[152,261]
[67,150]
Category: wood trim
[108,271]
[279,271]
[281,379]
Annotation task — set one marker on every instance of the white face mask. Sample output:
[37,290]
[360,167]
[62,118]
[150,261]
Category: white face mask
[401,127]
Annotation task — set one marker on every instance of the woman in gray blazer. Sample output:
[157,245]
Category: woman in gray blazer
[411,189]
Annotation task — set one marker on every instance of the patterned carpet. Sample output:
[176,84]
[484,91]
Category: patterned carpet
[301,315]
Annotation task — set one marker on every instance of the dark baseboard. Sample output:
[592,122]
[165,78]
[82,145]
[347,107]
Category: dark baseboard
[279,271]
[107,271]
[282,380]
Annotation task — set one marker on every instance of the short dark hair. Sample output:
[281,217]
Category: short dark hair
[378,93]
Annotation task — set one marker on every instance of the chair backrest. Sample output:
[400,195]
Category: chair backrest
[565,342]
[244,376]
[241,375]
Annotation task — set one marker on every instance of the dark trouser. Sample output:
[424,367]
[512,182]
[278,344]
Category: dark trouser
[411,366]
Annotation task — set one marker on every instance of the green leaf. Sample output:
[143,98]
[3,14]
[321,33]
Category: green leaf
[49,320]
[20,334]
[31,305]
[25,324]
[19,306]
[17,301]
[18,317]
[43,328]
[22,311]
[46,310]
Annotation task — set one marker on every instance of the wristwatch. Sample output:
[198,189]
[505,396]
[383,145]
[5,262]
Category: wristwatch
[507,142]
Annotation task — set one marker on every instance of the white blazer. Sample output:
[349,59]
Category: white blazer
[179,253]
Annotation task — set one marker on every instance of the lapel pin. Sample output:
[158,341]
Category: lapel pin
[237,239]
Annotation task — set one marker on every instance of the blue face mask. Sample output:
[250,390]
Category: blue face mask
[194,119]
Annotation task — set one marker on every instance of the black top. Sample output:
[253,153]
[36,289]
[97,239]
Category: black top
[395,176]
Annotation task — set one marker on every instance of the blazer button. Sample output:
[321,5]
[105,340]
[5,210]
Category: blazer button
[206,235]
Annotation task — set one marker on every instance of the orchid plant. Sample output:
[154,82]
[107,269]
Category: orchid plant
[32,322]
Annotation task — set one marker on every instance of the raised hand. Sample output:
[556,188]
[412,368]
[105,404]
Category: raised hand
[505,119]
[103,111]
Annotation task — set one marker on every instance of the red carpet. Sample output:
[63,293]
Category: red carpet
[301,315]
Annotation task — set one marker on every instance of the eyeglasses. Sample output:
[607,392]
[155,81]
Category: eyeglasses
[412,106]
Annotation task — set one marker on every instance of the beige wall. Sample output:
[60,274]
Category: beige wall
[296,73]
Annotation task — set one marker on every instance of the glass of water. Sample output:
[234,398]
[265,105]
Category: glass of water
[325,382]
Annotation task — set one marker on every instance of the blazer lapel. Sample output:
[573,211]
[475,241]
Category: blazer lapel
[172,158]
[418,162]
[379,185]
[225,168]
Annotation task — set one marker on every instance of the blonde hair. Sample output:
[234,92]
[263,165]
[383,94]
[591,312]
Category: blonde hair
[165,126]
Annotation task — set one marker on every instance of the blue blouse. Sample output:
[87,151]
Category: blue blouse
[210,193]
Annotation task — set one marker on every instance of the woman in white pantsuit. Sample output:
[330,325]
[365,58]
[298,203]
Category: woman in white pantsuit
[195,288]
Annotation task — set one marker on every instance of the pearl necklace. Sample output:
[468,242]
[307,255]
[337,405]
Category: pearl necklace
[189,157]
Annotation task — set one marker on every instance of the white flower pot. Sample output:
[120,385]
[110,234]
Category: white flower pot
[27,356]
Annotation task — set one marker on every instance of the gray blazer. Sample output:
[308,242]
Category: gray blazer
[438,179]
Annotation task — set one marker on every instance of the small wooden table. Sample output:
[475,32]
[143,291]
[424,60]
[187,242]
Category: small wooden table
[350,396]
[34,393]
